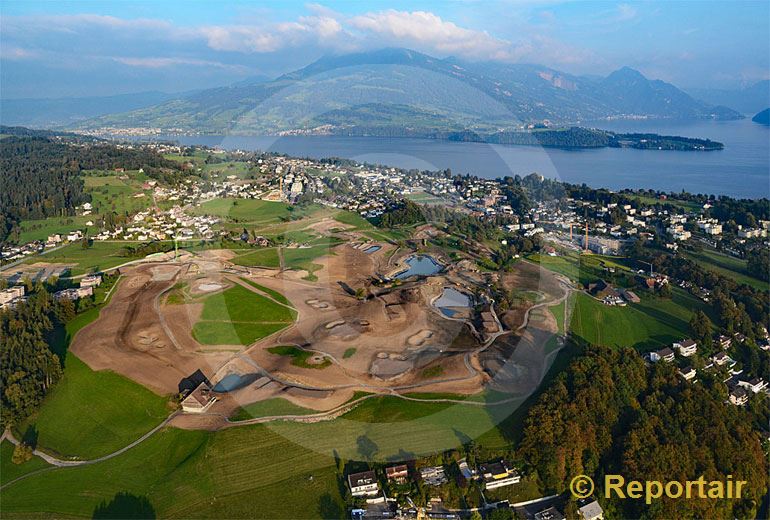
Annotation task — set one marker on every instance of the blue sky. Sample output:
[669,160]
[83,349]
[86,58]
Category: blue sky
[51,49]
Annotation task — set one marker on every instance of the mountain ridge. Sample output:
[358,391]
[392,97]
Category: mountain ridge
[461,95]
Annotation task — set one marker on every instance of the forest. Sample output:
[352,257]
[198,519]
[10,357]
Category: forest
[28,366]
[608,413]
[41,177]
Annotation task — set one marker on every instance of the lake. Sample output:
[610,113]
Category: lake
[742,169]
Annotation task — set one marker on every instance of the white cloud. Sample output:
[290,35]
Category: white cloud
[17,53]
[429,31]
[163,62]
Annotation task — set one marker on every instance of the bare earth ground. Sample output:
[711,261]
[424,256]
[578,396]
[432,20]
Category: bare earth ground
[129,338]
[392,339]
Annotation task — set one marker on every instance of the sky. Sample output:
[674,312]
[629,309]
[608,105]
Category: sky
[93,48]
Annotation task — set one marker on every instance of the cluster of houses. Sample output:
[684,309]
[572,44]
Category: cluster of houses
[739,384]
[365,486]
[492,475]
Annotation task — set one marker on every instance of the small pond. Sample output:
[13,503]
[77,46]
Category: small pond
[420,265]
[372,249]
[234,381]
[450,300]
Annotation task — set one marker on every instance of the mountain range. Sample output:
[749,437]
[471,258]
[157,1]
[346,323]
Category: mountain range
[748,100]
[397,91]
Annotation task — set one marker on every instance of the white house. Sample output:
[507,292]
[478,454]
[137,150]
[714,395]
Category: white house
[686,347]
[363,484]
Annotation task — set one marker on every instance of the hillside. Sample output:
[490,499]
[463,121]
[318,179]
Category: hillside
[403,89]
[748,100]
[763,118]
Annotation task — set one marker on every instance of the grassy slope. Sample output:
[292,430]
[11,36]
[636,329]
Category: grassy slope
[90,413]
[267,257]
[239,316]
[728,266]
[100,256]
[9,470]
[240,472]
[270,407]
[650,324]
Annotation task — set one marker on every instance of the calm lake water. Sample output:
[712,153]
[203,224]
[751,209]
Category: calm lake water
[742,169]
[420,265]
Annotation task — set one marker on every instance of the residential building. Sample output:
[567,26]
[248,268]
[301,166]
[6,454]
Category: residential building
[398,473]
[756,384]
[433,475]
[199,400]
[687,373]
[686,347]
[363,484]
[93,280]
[498,474]
[664,354]
[591,511]
[10,294]
[739,396]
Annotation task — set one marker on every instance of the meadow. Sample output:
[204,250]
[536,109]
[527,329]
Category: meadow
[650,324]
[98,257]
[726,265]
[267,257]
[268,408]
[91,413]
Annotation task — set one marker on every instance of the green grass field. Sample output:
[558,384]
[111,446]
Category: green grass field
[98,257]
[268,408]
[10,471]
[729,266]
[270,292]
[245,210]
[225,333]
[239,472]
[267,257]
[41,229]
[650,324]
[238,316]
[91,413]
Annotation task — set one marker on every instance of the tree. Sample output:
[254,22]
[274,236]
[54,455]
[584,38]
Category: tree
[701,327]
[21,453]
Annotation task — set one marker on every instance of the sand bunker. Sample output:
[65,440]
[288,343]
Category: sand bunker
[208,287]
[420,338]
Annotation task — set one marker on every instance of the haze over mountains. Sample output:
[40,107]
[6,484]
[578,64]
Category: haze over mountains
[390,90]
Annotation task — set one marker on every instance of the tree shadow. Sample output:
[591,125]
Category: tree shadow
[329,509]
[30,436]
[366,447]
[125,506]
